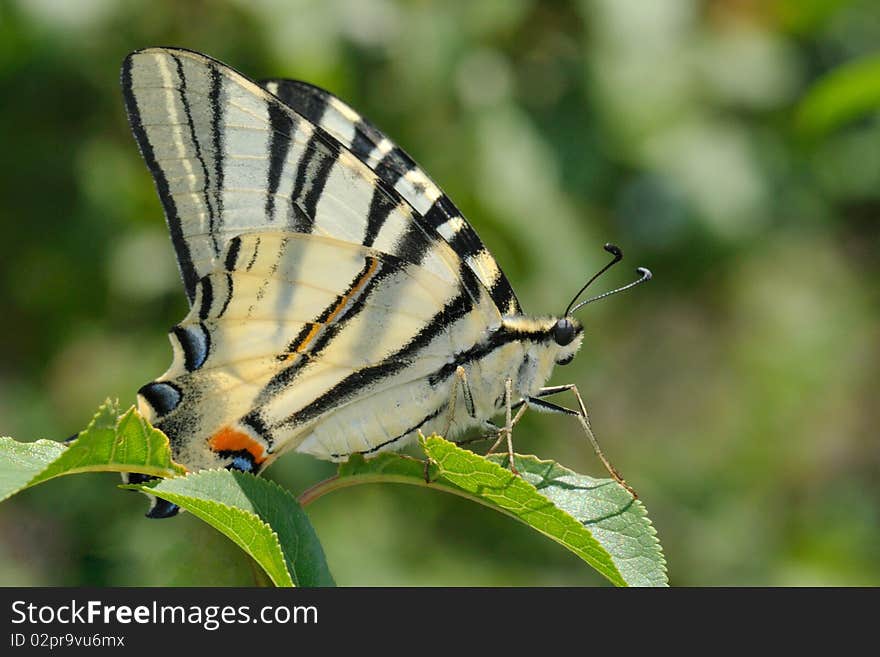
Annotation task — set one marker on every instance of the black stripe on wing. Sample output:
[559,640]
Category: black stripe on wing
[181,247]
[392,164]
[217,137]
[311,177]
[187,110]
[282,130]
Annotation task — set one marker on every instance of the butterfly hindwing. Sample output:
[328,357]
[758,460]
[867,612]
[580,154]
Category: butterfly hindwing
[297,326]
[400,172]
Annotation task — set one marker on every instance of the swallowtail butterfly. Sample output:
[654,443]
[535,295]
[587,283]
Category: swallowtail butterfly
[339,302]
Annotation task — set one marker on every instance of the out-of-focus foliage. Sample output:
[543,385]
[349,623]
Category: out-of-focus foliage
[736,391]
[841,96]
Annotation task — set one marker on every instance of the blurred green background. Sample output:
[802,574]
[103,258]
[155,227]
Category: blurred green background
[732,146]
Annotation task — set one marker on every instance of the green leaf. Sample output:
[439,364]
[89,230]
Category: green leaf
[617,521]
[597,519]
[844,94]
[20,463]
[109,443]
[255,513]
[258,515]
[501,488]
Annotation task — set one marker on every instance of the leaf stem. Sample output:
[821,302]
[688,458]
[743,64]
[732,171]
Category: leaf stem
[337,482]
[317,490]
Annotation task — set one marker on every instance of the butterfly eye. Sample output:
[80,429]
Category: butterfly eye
[563,332]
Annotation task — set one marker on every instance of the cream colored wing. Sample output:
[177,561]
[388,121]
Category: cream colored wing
[400,172]
[295,328]
[228,158]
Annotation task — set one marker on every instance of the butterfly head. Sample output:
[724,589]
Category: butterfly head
[545,343]
[567,332]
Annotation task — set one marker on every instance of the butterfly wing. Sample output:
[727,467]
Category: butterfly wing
[400,172]
[303,341]
[321,299]
[228,158]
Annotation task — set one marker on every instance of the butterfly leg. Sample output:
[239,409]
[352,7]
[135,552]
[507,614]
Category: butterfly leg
[583,417]
[554,390]
[466,392]
[500,433]
[510,421]
[428,461]
[459,380]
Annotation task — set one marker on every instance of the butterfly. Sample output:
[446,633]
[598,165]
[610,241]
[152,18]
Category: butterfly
[339,301]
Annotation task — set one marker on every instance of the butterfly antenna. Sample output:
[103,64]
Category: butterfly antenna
[644,275]
[618,256]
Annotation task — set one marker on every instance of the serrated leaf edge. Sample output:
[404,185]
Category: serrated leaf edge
[601,568]
[639,505]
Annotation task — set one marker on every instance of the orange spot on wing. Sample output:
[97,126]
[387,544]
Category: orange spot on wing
[228,439]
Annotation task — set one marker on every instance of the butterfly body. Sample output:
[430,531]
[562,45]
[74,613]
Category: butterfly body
[339,302]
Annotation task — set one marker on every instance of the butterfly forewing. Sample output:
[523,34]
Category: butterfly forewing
[229,158]
[400,172]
